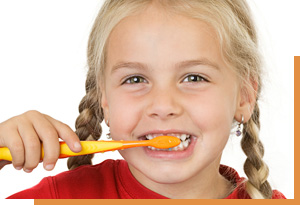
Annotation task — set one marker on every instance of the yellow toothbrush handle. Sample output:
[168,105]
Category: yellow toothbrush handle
[88,147]
[5,154]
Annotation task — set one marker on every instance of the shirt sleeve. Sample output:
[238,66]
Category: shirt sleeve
[44,190]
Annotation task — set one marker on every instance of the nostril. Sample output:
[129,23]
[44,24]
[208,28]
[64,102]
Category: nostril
[163,115]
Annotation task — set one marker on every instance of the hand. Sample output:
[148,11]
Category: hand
[24,134]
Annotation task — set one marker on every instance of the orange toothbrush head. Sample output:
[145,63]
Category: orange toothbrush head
[164,142]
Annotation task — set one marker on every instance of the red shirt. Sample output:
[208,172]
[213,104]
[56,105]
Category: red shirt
[110,179]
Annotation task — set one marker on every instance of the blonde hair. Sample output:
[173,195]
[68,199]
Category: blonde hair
[233,23]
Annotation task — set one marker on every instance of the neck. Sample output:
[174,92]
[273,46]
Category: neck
[209,184]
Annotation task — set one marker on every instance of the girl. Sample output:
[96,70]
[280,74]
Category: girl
[190,69]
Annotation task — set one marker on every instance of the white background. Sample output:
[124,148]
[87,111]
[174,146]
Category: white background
[43,67]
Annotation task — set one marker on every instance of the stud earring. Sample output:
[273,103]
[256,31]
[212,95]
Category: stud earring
[239,129]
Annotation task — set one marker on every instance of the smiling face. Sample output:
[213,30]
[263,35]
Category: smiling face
[165,75]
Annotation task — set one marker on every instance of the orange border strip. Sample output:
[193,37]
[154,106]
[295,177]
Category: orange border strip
[195,201]
[296,113]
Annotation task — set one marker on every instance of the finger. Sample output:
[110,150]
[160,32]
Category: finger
[49,137]
[15,145]
[32,145]
[10,138]
[66,134]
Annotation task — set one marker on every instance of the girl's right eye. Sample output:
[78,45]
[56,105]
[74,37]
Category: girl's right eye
[134,80]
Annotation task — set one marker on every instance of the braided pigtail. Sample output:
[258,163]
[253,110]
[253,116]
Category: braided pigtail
[87,124]
[254,167]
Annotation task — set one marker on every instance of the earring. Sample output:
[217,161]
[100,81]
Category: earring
[238,130]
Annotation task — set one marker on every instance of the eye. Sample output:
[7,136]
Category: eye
[194,78]
[134,80]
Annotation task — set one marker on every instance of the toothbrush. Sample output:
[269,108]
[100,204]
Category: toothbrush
[91,147]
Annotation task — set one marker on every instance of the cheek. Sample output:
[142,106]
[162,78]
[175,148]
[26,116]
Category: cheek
[124,114]
[214,127]
[213,116]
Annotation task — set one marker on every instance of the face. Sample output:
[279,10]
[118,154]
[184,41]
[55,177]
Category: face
[165,76]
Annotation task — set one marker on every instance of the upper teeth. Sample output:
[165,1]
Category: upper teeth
[182,137]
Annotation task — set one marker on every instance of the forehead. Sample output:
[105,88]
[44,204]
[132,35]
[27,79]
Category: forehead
[156,33]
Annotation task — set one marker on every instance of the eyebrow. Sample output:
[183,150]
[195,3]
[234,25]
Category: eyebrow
[128,65]
[183,64]
[202,61]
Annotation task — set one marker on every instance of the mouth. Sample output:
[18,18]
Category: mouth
[185,139]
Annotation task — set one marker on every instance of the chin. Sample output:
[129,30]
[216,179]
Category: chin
[168,176]
[162,171]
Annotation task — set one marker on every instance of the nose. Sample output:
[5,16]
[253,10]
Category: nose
[164,104]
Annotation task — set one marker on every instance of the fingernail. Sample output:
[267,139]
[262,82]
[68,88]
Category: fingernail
[18,168]
[27,170]
[49,167]
[77,145]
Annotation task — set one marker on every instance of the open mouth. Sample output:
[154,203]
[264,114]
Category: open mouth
[184,138]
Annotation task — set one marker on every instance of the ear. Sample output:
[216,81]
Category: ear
[246,100]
